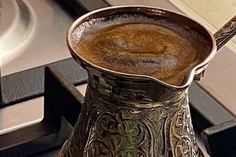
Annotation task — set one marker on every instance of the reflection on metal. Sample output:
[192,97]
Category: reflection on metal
[18,30]
[127,115]
[134,119]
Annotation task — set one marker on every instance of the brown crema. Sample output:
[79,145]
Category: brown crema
[164,50]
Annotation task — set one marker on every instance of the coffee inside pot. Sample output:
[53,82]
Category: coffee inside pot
[143,45]
[140,62]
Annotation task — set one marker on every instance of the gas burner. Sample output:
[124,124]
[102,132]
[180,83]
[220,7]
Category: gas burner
[16,28]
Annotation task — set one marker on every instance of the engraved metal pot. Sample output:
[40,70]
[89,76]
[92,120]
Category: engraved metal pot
[126,115]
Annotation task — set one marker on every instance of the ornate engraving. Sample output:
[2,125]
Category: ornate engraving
[183,142]
[225,33]
[134,116]
[122,136]
[109,128]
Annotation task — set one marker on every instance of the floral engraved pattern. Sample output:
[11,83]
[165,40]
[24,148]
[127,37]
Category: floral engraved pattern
[123,136]
[225,33]
[182,137]
[116,129]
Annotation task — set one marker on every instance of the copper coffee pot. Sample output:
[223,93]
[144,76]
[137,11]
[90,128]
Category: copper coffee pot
[128,115]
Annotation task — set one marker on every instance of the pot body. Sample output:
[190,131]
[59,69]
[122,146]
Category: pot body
[132,118]
[128,115]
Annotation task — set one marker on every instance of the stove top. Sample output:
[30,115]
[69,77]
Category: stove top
[35,122]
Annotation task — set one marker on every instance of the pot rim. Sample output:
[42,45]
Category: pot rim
[197,70]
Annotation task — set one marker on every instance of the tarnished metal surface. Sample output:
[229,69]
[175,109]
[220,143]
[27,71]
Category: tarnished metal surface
[132,115]
[127,120]
[227,32]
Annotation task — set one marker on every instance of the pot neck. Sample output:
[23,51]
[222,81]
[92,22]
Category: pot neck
[140,92]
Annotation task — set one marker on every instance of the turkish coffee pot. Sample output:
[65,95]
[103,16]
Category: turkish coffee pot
[128,115]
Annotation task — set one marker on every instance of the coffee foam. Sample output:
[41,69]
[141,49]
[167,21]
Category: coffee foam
[98,23]
[121,53]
